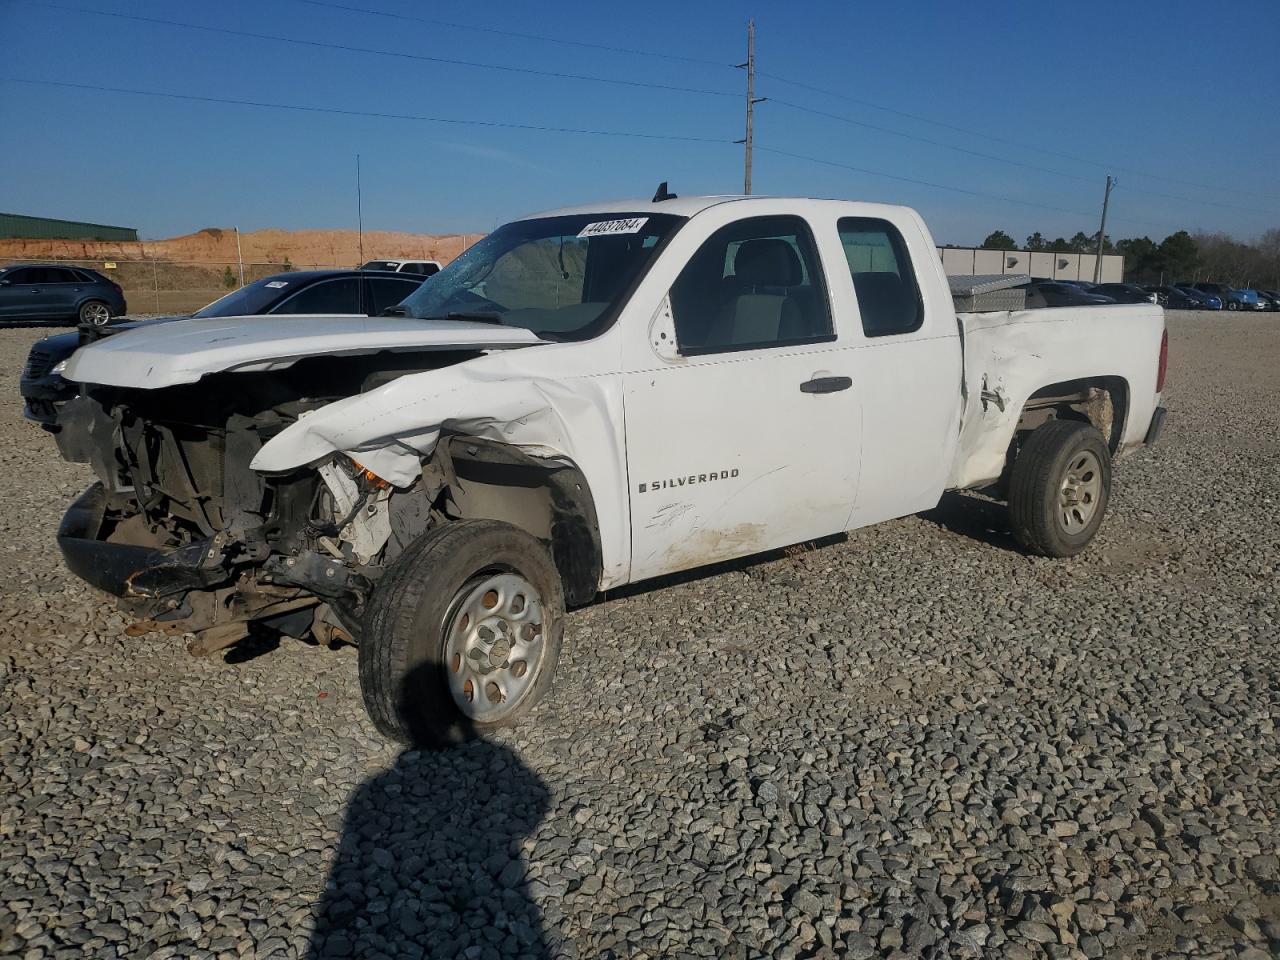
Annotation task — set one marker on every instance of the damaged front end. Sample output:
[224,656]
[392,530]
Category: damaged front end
[189,537]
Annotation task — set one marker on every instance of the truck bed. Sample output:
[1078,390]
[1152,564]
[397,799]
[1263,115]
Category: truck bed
[1010,356]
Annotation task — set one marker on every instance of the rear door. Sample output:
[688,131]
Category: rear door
[743,434]
[908,368]
[64,290]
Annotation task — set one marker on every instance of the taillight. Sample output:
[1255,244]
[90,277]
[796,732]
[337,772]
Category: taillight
[1164,362]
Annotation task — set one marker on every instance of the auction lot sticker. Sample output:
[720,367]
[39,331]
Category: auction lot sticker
[607,228]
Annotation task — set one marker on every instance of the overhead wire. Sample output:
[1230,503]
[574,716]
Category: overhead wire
[542,38]
[564,75]
[377,114]
[400,54]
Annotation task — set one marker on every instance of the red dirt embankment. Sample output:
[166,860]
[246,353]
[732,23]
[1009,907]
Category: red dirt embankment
[216,245]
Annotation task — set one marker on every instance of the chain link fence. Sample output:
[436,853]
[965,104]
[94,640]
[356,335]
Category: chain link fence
[178,286]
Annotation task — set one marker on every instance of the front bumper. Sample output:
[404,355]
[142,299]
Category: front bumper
[129,571]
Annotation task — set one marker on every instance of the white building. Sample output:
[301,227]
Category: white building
[960,261]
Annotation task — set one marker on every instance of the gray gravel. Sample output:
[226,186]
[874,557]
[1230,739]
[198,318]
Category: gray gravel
[916,743]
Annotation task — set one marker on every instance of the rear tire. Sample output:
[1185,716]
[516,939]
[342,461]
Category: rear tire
[1059,488]
[95,313]
[462,634]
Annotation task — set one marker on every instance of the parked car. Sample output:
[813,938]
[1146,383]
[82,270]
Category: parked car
[1270,298]
[1252,300]
[1056,293]
[441,486]
[1205,301]
[1172,298]
[423,268]
[1232,299]
[44,389]
[1124,293]
[51,291]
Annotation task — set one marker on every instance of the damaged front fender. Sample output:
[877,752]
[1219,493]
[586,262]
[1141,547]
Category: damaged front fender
[551,404]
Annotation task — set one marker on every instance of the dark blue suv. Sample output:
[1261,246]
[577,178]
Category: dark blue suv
[50,291]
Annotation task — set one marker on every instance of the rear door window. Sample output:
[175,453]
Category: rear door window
[388,292]
[889,300]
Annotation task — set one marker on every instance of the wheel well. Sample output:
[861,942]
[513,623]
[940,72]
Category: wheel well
[549,499]
[1101,401]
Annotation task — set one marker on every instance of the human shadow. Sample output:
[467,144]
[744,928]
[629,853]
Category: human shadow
[429,863]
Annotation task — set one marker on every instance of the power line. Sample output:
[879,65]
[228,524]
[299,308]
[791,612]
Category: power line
[990,156]
[349,48]
[676,89]
[539,128]
[367,113]
[431,21]
[920,183]
[1005,140]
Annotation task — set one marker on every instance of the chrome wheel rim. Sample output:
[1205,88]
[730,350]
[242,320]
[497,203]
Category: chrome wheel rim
[494,645]
[96,314]
[1080,492]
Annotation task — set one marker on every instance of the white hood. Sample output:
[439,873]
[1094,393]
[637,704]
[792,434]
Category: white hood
[165,354]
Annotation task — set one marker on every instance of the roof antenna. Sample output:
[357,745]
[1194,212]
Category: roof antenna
[663,193]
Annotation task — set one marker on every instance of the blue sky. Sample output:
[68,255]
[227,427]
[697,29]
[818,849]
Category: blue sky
[1178,90]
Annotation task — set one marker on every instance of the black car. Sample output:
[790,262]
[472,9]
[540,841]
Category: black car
[1052,293]
[1124,292]
[305,292]
[50,291]
[1175,298]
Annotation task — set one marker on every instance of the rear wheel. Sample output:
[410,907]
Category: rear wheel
[462,634]
[1059,488]
[95,313]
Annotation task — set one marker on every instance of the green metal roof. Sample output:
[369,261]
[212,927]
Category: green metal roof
[17,226]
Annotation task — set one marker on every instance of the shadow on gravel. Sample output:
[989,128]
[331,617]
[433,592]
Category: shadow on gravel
[429,863]
[974,517]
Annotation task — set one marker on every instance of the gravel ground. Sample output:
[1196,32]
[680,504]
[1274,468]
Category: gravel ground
[916,743]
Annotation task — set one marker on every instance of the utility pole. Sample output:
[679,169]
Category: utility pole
[752,100]
[239,258]
[1102,232]
[359,213]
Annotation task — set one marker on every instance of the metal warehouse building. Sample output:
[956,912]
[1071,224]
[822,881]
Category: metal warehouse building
[963,261]
[15,226]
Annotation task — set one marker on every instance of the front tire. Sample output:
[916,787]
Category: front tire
[95,313]
[1059,488]
[462,634]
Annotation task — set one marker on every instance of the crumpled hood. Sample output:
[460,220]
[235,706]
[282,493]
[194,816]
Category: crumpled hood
[172,353]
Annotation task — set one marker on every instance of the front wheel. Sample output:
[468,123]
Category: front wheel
[1059,488]
[462,634]
[95,313]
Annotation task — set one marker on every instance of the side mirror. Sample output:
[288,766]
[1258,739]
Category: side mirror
[5,283]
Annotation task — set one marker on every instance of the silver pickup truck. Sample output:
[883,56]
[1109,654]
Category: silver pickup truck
[586,398]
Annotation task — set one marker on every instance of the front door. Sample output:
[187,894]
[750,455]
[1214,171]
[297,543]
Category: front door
[24,297]
[744,436]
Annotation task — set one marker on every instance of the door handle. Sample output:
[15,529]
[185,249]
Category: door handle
[826,385]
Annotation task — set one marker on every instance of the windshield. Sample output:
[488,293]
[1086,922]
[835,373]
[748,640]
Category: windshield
[560,277]
[249,300]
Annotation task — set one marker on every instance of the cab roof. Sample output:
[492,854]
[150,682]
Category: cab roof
[685,206]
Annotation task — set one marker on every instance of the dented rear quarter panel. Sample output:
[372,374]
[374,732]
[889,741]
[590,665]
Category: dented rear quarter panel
[1016,353]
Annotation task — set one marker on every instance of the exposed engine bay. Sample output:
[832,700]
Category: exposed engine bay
[187,535]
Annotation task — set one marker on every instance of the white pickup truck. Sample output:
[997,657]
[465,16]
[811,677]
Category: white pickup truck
[586,398]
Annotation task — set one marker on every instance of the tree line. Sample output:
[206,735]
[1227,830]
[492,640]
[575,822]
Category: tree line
[1179,257]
